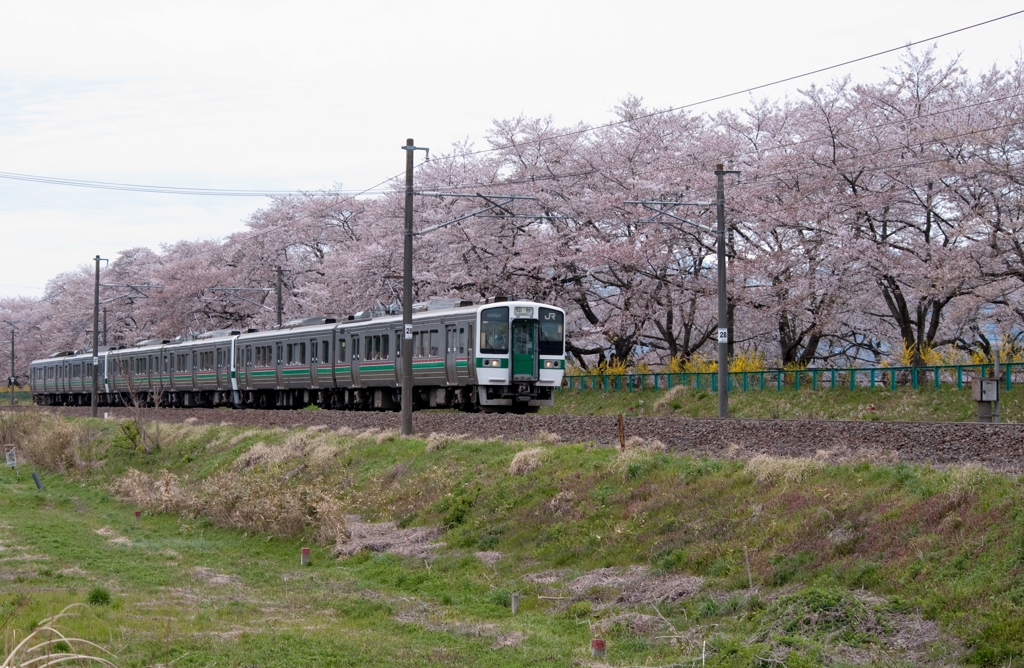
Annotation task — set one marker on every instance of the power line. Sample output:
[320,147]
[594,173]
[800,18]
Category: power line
[224,192]
[169,190]
[717,98]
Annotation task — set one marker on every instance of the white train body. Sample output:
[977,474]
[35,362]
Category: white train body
[495,355]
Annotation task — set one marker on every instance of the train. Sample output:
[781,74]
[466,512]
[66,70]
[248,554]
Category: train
[495,355]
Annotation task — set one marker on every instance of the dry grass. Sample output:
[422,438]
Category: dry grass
[544,436]
[964,481]
[52,445]
[652,445]
[438,441]
[252,500]
[526,461]
[47,645]
[164,494]
[298,446]
[769,470]
[631,458]
[666,398]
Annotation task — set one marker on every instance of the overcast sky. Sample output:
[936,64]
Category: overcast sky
[305,95]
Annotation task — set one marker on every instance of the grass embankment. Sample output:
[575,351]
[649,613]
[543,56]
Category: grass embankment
[946,404]
[849,563]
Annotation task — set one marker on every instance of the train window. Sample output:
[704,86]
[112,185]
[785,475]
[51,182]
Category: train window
[462,340]
[415,344]
[552,332]
[326,359]
[376,347]
[302,353]
[341,350]
[494,331]
[194,356]
[280,353]
[384,352]
[522,339]
[368,346]
[312,351]
[355,348]
[288,354]
[435,343]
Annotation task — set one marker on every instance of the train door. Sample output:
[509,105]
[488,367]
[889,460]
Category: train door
[244,367]
[219,368]
[314,363]
[326,363]
[278,361]
[356,359]
[524,345]
[195,368]
[451,350]
[471,355]
[399,343]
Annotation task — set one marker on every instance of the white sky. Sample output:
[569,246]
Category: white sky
[302,95]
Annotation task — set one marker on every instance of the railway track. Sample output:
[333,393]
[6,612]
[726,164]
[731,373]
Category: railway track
[998,447]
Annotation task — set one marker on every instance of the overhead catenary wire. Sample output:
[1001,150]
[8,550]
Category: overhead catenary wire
[224,192]
[724,96]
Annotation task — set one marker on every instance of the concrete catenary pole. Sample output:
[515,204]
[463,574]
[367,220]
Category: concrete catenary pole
[96,339]
[279,309]
[407,295]
[723,298]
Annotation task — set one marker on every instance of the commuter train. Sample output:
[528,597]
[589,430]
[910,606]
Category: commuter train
[495,355]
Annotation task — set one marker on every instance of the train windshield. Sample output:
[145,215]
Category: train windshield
[494,331]
[552,332]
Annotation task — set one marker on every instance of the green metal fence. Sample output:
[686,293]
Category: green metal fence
[914,377]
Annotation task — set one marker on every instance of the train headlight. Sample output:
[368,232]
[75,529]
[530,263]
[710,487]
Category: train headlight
[492,363]
[550,364]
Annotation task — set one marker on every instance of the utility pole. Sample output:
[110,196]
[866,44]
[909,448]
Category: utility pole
[723,299]
[410,148]
[724,325]
[12,367]
[96,338]
[279,310]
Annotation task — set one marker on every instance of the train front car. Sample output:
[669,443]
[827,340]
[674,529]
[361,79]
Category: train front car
[521,355]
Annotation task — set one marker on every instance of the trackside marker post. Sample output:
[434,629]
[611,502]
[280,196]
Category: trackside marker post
[304,559]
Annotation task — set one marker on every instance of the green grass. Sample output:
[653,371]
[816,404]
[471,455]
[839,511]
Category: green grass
[846,560]
[927,404]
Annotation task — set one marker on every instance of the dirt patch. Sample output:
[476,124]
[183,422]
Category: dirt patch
[508,640]
[490,558]
[548,577]
[385,537]
[112,536]
[213,577]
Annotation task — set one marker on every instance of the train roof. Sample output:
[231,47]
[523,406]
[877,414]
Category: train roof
[391,314]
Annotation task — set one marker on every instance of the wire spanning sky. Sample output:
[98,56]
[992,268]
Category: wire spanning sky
[215,103]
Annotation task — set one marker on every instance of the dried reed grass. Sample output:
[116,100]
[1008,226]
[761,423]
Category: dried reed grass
[651,445]
[250,499]
[769,470]
[545,436]
[669,396]
[526,461]
[631,457]
[965,480]
[45,646]
[52,445]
